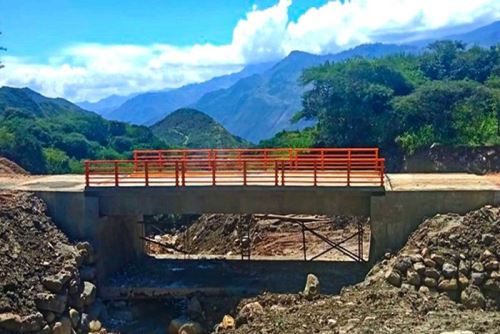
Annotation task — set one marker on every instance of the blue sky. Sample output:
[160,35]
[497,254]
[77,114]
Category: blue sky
[87,50]
[38,28]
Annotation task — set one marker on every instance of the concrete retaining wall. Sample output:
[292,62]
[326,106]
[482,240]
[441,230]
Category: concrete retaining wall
[397,214]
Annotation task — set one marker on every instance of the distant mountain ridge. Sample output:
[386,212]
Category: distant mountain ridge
[259,101]
[105,105]
[190,128]
[149,108]
[484,36]
[260,106]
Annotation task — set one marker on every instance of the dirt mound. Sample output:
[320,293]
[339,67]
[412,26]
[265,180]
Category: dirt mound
[270,235]
[40,282]
[29,250]
[377,306]
[8,167]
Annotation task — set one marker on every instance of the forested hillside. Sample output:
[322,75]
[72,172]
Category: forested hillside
[46,135]
[190,128]
[449,95]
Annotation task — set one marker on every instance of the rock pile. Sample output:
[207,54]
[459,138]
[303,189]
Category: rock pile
[456,255]
[47,285]
[447,256]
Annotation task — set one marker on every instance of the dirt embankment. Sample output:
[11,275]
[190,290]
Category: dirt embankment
[46,283]
[477,160]
[270,235]
[10,168]
[446,278]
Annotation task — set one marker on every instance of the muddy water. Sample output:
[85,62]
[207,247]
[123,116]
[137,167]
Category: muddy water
[237,279]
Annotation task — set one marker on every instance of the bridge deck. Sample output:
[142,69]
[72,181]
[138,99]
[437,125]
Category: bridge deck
[393,182]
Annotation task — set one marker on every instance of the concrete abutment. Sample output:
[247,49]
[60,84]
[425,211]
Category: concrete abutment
[396,215]
[115,239]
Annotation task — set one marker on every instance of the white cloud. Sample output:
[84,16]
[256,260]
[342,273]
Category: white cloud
[92,71]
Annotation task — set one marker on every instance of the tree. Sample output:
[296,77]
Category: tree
[450,60]
[351,101]
[448,113]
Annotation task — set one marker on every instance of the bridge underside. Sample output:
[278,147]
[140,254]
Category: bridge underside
[234,199]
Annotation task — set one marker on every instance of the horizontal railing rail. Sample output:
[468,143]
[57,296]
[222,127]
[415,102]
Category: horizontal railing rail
[273,167]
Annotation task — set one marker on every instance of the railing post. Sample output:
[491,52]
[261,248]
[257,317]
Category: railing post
[265,159]
[117,182]
[87,173]
[135,161]
[244,173]
[176,173]
[239,160]
[283,173]
[213,172]
[276,172]
[348,168]
[322,159]
[296,159]
[146,172]
[315,175]
[382,168]
[183,173]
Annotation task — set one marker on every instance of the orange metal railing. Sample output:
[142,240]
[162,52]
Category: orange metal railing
[219,167]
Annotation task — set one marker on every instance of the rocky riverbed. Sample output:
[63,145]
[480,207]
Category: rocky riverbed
[445,280]
[47,284]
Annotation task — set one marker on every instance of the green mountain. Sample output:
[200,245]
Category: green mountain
[193,129]
[46,135]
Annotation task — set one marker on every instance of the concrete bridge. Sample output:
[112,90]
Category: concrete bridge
[109,215]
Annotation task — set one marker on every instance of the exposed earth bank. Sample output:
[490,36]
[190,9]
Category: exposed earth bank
[445,279]
[278,236]
[47,284]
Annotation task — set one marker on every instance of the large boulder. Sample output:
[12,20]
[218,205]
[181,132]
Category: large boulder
[62,327]
[56,283]
[51,302]
[87,252]
[393,277]
[11,322]
[190,327]
[449,270]
[472,297]
[249,312]
[88,294]
[95,326]
[403,264]
[311,289]
[74,316]
[176,324]
[413,277]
